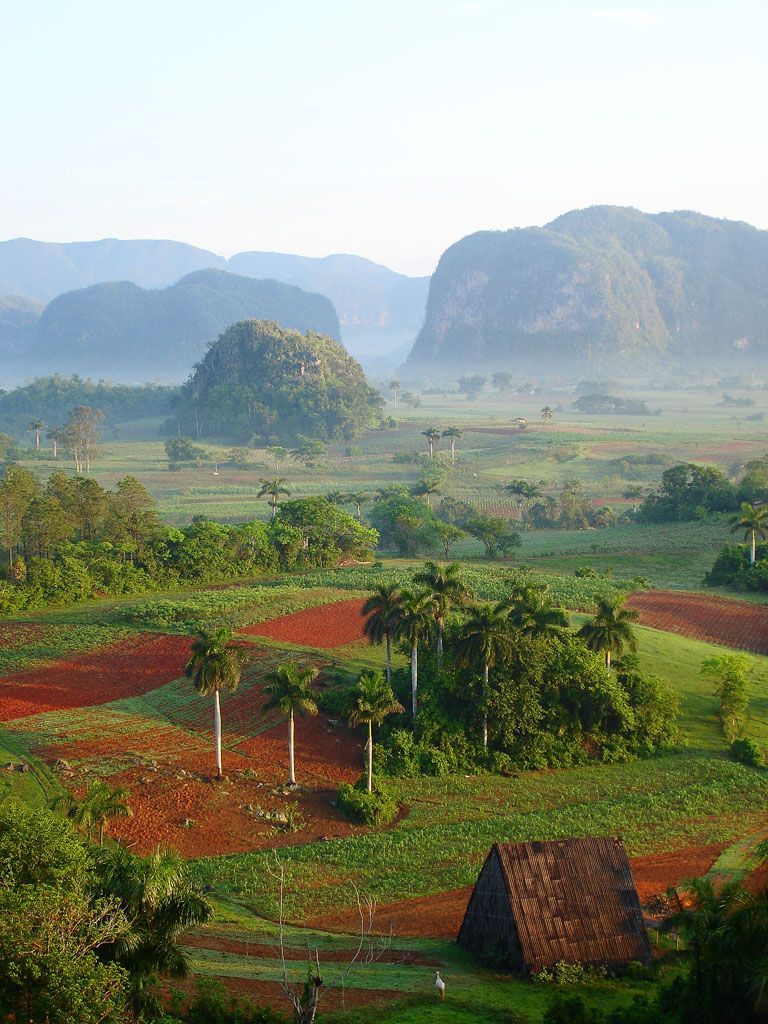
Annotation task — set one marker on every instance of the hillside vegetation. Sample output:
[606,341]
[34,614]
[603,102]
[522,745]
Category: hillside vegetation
[260,380]
[612,286]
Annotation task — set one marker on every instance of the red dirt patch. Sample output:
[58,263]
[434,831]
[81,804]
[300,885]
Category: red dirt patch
[657,872]
[714,619]
[257,949]
[125,669]
[269,993]
[436,917]
[324,626]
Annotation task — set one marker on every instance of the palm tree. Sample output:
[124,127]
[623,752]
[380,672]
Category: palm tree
[415,616]
[610,630]
[381,612]
[433,436]
[633,493]
[374,701]
[336,497]
[453,434]
[426,487]
[546,414]
[753,522]
[215,663]
[358,499]
[99,805]
[290,691]
[54,436]
[394,387]
[485,639]
[160,903]
[36,426]
[273,489]
[447,591]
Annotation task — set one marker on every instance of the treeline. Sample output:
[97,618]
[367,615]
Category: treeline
[71,540]
[688,491]
[50,399]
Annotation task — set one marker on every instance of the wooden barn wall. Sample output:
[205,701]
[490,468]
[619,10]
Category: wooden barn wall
[488,928]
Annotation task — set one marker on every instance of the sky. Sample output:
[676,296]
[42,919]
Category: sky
[380,127]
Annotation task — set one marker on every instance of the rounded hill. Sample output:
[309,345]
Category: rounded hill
[261,380]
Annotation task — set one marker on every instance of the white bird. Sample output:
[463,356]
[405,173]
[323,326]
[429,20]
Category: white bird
[439,986]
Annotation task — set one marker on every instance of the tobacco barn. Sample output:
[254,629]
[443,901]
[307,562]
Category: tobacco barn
[539,903]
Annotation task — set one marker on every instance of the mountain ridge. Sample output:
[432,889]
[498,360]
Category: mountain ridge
[114,327]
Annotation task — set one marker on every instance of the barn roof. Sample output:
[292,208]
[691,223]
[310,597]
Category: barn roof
[573,900]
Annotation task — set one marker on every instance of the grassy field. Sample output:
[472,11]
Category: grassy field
[692,796]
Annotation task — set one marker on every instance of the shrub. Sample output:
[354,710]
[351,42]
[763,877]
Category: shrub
[364,808]
[746,751]
[571,1010]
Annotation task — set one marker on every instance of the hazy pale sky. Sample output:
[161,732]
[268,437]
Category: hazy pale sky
[388,129]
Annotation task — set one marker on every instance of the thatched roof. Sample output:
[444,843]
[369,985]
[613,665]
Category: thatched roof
[571,900]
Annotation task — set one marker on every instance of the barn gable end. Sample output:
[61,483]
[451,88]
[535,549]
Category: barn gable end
[572,900]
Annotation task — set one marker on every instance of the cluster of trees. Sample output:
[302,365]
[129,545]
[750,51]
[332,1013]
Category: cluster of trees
[571,509]
[688,491]
[508,684]
[85,929]
[609,405]
[260,381]
[72,539]
[409,526]
[744,566]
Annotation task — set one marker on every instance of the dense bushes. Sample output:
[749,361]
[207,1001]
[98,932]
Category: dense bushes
[732,568]
[376,808]
[551,703]
[73,540]
[688,491]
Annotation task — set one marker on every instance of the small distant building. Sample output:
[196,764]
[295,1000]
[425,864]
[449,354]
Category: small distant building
[573,900]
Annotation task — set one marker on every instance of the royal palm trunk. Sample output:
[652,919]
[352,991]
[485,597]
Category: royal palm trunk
[217,730]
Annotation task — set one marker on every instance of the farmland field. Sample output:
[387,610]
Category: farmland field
[98,691]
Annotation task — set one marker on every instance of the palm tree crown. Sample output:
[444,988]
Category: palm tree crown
[610,629]
[446,590]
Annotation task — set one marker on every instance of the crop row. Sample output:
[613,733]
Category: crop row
[24,644]
[235,606]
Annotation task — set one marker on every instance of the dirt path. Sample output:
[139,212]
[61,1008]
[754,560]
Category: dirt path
[718,620]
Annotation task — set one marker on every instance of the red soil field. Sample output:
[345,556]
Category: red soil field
[269,993]
[714,619]
[325,626]
[657,872]
[176,804]
[125,669]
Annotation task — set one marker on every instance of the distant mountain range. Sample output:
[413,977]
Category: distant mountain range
[123,332]
[378,309]
[606,287]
